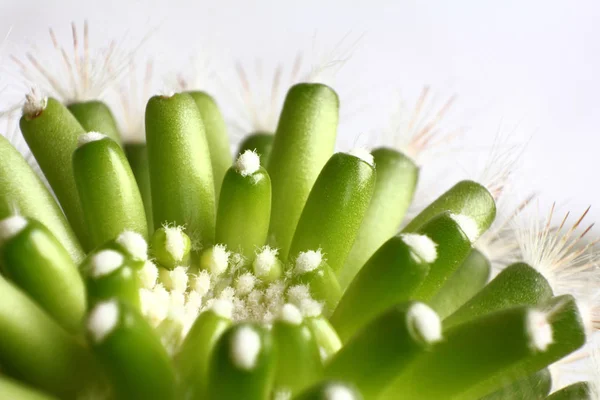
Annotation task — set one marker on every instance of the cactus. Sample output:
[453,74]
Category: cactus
[165,267]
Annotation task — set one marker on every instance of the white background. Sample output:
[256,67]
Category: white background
[530,67]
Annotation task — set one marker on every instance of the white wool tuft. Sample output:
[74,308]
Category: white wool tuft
[245,348]
[291,314]
[34,104]
[135,244]
[421,245]
[201,283]
[308,261]
[175,242]
[179,279]
[103,319]
[105,262]
[148,275]
[339,392]
[247,163]
[539,330]
[468,226]
[89,137]
[11,226]
[219,260]
[223,308]
[264,261]
[245,283]
[424,323]
[363,154]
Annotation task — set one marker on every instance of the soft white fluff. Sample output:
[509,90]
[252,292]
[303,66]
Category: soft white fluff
[245,348]
[539,330]
[11,226]
[135,244]
[89,137]
[247,163]
[468,226]
[105,262]
[421,245]
[425,323]
[103,319]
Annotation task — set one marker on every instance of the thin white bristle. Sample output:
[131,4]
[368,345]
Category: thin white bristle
[105,262]
[245,348]
[247,163]
[421,245]
[89,137]
[103,320]
[11,226]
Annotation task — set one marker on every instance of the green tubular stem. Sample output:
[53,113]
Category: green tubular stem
[216,135]
[243,361]
[111,274]
[109,195]
[576,391]
[22,191]
[304,141]
[568,335]
[330,390]
[327,338]
[470,277]
[470,353]
[465,198]
[52,138]
[59,365]
[36,262]
[261,143]
[395,184]
[183,191]
[385,347]
[244,211]
[533,387]
[171,247]
[298,359]
[95,116]
[453,247]
[10,389]
[133,357]
[138,160]
[390,276]
[335,209]
[518,284]
[323,285]
[192,361]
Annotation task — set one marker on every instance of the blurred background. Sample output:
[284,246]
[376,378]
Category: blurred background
[525,73]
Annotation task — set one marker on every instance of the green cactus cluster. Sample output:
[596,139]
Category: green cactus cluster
[170,269]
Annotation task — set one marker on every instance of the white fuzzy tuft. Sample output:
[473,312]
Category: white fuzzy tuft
[135,244]
[468,226]
[179,279]
[102,320]
[11,226]
[539,330]
[339,392]
[244,283]
[89,137]
[219,259]
[245,348]
[175,242]
[363,154]
[247,163]
[223,308]
[264,261]
[424,323]
[421,245]
[105,262]
[291,314]
[148,275]
[201,283]
[308,261]
[34,104]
